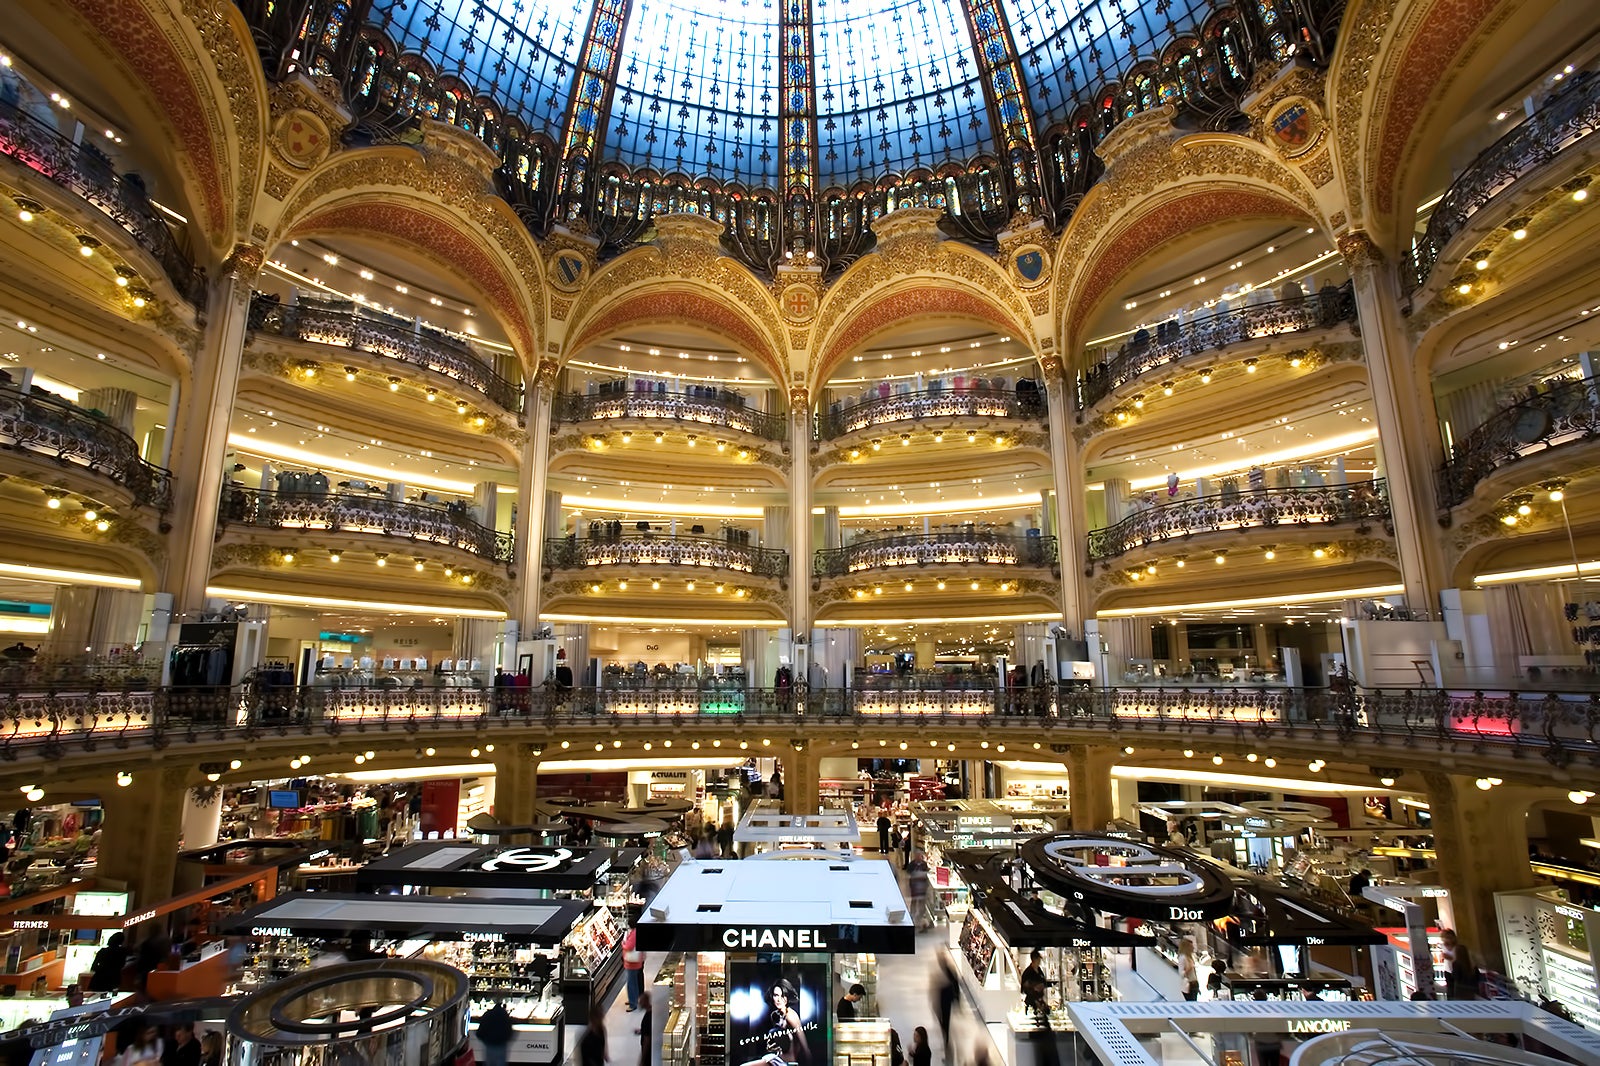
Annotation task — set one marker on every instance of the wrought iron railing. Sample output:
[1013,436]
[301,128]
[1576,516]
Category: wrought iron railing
[1565,119]
[1559,415]
[965,549]
[844,417]
[718,412]
[39,422]
[86,173]
[1406,723]
[342,325]
[1173,342]
[351,512]
[646,550]
[1359,502]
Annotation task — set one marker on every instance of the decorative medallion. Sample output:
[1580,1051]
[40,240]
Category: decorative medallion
[568,271]
[1030,264]
[1295,126]
[302,138]
[799,302]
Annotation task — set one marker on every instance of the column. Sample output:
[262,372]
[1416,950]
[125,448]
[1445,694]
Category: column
[1089,787]
[529,529]
[200,437]
[91,621]
[800,518]
[1071,523]
[1481,837]
[516,783]
[1404,412]
[139,837]
[116,404]
[802,774]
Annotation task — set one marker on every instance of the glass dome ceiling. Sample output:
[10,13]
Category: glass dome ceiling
[761,92]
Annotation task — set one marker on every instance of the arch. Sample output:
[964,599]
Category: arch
[201,73]
[683,306]
[442,207]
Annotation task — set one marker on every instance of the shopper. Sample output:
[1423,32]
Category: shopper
[921,1053]
[1461,977]
[725,837]
[211,1049]
[945,993]
[905,848]
[184,1049]
[633,967]
[917,887]
[846,1010]
[1215,983]
[494,1033]
[1035,986]
[592,1048]
[647,1030]
[105,973]
[1188,974]
[775,786]
[885,824]
[147,1048]
[704,848]
[897,1051]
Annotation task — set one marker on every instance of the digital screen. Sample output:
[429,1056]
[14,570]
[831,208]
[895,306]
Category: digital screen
[283,799]
[1289,957]
[778,1012]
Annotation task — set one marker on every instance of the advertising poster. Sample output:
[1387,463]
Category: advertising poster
[778,1012]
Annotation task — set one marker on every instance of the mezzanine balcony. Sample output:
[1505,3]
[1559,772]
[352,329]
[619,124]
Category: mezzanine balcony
[87,174]
[1360,502]
[955,407]
[1563,123]
[74,439]
[1560,416]
[1181,340]
[364,515]
[706,407]
[651,552]
[959,550]
[351,327]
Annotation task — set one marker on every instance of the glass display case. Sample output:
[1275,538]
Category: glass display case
[591,958]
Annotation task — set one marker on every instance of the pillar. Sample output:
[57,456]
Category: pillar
[530,527]
[516,783]
[927,652]
[93,621]
[802,776]
[1404,413]
[1481,837]
[200,437]
[1071,521]
[800,518]
[117,405]
[202,816]
[1089,787]
[139,837]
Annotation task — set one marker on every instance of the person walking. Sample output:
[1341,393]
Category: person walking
[917,887]
[921,1053]
[105,973]
[494,1033]
[633,967]
[725,837]
[1188,975]
[592,1048]
[945,991]
[647,1030]
[885,823]
[1461,978]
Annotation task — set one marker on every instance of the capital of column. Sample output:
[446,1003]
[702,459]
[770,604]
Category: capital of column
[1359,250]
[544,375]
[799,399]
[244,262]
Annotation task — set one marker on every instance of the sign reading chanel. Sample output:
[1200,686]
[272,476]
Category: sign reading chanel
[793,939]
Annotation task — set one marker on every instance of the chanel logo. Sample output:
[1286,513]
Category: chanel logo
[528,860]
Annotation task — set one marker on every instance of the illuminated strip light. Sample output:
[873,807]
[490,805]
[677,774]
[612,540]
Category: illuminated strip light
[290,600]
[571,765]
[69,577]
[857,623]
[243,442]
[312,283]
[1255,601]
[706,510]
[1536,573]
[656,619]
[891,510]
[1317,448]
[418,773]
[30,626]
[359,714]
[1279,784]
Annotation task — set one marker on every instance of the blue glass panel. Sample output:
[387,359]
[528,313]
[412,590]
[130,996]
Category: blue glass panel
[1069,47]
[697,89]
[521,52]
[897,87]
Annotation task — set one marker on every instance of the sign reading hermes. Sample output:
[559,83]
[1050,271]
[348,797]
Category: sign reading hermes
[791,939]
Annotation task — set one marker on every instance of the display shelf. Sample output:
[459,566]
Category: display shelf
[1572,982]
[863,1042]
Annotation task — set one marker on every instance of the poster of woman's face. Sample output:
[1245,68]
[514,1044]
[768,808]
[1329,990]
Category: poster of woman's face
[777,1012]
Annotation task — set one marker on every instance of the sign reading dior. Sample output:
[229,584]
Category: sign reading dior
[793,939]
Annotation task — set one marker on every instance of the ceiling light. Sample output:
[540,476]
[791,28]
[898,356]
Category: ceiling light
[87,245]
[287,555]
[34,795]
[125,275]
[383,559]
[1216,760]
[1386,781]
[52,500]
[394,384]
[1270,762]
[235,764]
[27,209]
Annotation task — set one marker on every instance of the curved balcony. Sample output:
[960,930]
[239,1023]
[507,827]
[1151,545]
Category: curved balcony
[725,411]
[45,424]
[87,174]
[1174,341]
[1360,502]
[930,403]
[974,548]
[350,326]
[1564,414]
[421,523]
[1566,119]
[643,550]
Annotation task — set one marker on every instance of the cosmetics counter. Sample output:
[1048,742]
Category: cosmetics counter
[1552,949]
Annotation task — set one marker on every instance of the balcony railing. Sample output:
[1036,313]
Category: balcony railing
[715,411]
[86,173]
[343,325]
[1360,502]
[1559,727]
[1172,342]
[845,418]
[1560,415]
[1564,120]
[975,548]
[45,424]
[644,550]
[348,512]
